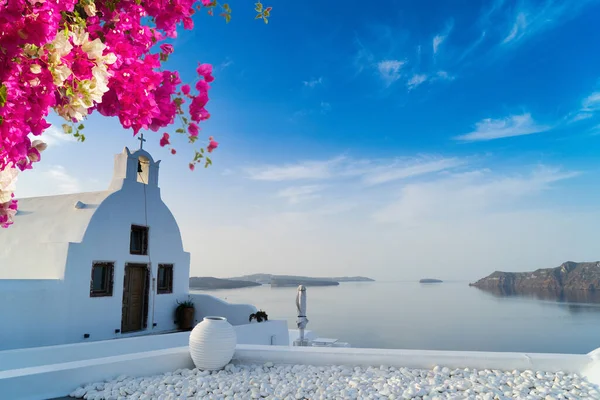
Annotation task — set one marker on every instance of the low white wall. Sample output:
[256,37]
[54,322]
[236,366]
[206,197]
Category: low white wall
[263,333]
[574,363]
[56,380]
[207,305]
[36,356]
[50,381]
[269,333]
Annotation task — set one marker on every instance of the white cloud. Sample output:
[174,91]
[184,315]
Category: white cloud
[443,75]
[54,136]
[226,64]
[591,103]
[62,180]
[298,194]
[389,70]
[363,57]
[589,108]
[514,125]
[437,41]
[416,80]
[467,195]
[370,172]
[313,82]
[325,107]
[441,37]
[290,172]
[518,29]
[530,18]
[408,169]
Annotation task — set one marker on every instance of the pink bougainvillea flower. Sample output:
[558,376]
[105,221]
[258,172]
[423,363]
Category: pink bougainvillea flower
[164,140]
[173,151]
[211,146]
[192,166]
[185,89]
[193,129]
[7,212]
[166,48]
[205,70]
[188,23]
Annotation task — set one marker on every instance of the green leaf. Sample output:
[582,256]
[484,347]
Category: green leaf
[82,138]
[258,16]
[180,130]
[227,18]
[259,7]
[226,7]
[80,127]
[76,134]
[3,95]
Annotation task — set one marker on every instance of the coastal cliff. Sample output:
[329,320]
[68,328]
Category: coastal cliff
[570,276]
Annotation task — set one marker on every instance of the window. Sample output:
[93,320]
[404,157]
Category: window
[165,279]
[139,240]
[102,279]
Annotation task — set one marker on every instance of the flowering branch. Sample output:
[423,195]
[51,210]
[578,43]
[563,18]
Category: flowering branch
[77,57]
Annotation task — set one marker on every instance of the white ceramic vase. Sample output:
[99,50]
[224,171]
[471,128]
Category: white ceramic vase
[212,343]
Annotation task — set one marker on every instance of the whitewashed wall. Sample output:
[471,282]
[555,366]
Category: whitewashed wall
[107,239]
[32,311]
[269,333]
[36,313]
[206,306]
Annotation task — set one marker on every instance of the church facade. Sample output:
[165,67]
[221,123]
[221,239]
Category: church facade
[93,266]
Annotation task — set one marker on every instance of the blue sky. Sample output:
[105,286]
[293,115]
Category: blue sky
[397,140]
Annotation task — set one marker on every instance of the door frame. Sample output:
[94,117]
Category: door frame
[146,295]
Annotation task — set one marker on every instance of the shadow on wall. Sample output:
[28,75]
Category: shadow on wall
[207,305]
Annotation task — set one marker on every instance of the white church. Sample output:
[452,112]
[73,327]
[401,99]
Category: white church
[93,266]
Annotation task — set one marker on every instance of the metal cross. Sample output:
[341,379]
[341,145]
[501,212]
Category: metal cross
[142,140]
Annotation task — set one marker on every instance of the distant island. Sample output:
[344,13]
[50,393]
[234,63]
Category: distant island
[266,279]
[286,282]
[428,280]
[568,277]
[207,283]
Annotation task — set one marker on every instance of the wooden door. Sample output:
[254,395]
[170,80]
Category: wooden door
[135,298]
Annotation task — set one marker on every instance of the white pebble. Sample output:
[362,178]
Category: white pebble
[286,382]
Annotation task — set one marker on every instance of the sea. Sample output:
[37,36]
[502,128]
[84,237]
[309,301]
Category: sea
[444,316]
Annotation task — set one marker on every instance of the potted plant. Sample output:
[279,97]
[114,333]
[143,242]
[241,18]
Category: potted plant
[259,316]
[184,315]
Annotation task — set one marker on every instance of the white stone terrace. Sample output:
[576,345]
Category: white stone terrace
[281,372]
